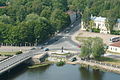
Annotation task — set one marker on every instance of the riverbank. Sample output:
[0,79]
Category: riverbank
[98,65]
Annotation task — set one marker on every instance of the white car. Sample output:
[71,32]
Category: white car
[67,31]
[71,25]
[46,43]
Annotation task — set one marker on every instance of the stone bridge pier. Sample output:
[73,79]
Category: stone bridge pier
[37,59]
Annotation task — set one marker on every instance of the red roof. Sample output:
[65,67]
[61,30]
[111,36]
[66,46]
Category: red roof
[116,44]
[2,6]
[71,12]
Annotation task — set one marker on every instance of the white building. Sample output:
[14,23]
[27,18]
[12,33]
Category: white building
[73,16]
[100,22]
[115,47]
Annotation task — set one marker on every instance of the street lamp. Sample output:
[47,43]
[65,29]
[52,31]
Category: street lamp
[36,42]
[62,48]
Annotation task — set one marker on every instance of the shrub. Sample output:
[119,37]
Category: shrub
[19,52]
[61,63]
[115,32]
[96,30]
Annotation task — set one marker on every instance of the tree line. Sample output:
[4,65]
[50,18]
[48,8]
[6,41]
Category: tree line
[31,21]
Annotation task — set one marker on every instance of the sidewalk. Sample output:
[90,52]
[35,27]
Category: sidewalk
[13,49]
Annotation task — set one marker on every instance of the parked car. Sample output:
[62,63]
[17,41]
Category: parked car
[33,49]
[71,25]
[41,47]
[46,49]
[46,43]
[73,59]
[67,31]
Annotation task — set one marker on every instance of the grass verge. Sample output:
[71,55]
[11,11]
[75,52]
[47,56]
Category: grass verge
[109,60]
[7,53]
[38,65]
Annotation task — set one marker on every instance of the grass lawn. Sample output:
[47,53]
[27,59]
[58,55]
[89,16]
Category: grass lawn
[81,39]
[112,52]
[109,60]
[62,54]
[7,53]
[38,65]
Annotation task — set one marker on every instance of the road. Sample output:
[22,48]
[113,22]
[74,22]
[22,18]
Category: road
[63,39]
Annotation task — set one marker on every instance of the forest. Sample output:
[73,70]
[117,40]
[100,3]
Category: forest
[25,21]
[31,21]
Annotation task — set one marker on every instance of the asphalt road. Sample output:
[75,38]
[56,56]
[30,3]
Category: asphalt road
[63,39]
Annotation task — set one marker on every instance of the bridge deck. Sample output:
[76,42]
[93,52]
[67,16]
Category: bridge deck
[15,60]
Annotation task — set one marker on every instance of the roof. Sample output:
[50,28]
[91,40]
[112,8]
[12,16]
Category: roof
[2,6]
[71,12]
[98,19]
[116,44]
[101,19]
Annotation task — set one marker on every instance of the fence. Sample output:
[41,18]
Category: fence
[20,45]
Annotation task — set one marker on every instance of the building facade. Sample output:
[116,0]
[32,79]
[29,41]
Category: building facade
[100,22]
[114,48]
[73,16]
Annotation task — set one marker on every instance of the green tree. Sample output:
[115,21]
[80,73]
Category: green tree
[86,48]
[59,19]
[86,17]
[32,17]
[3,31]
[97,47]
[46,12]
[92,47]
[43,29]
[5,19]
[60,4]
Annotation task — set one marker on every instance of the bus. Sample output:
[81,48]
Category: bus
[114,39]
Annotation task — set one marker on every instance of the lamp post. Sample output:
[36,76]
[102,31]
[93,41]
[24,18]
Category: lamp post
[36,42]
[62,48]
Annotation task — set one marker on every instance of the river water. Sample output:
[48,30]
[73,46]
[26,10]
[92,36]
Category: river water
[66,72]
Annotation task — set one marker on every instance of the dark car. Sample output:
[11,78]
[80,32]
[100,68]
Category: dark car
[41,47]
[46,49]
[73,59]
[33,49]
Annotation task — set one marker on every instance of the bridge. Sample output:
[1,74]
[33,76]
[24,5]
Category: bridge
[15,60]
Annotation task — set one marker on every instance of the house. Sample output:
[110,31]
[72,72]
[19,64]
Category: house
[114,47]
[73,16]
[100,22]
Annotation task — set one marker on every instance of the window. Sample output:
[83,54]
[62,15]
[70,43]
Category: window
[115,49]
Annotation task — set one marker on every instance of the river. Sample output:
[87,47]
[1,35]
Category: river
[66,72]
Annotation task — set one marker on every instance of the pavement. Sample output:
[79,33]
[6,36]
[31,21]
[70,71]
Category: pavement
[64,39]
[105,37]
[114,56]
[13,49]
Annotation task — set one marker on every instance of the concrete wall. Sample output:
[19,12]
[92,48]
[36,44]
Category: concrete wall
[37,59]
